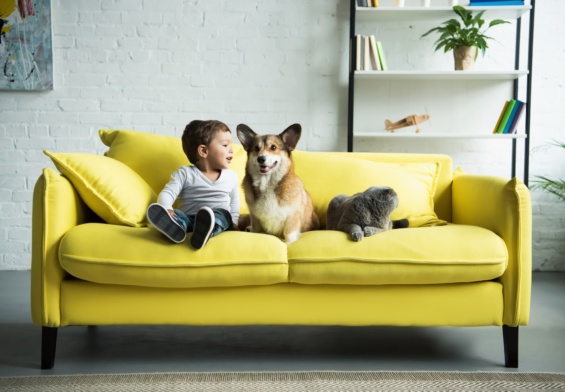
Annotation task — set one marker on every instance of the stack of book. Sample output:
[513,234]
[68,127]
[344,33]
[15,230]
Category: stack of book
[368,54]
[368,3]
[485,3]
[510,115]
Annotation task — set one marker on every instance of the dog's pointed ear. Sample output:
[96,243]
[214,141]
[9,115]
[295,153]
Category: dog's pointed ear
[245,136]
[291,136]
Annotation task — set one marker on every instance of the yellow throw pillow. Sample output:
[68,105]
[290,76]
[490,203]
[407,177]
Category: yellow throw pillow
[326,175]
[111,189]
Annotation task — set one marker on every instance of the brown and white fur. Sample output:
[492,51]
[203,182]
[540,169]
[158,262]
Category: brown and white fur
[277,200]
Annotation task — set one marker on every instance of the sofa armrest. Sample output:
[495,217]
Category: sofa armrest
[503,207]
[57,207]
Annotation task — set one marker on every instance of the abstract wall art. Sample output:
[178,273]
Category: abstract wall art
[26,49]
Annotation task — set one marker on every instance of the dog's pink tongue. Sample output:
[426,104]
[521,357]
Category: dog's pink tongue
[264,169]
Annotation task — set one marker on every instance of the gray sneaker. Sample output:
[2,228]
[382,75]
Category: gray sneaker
[203,225]
[160,218]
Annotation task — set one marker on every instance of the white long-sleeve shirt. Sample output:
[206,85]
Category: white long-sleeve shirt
[192,191]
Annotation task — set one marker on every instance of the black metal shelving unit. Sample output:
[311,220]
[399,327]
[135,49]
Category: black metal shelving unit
[422,12]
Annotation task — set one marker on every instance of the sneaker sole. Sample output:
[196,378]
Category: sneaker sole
[162,221]
[203,225]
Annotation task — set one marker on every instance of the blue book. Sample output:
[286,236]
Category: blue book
[517,117]
[511,117]
[496,3]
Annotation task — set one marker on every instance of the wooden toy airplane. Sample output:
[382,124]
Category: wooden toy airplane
[407,121]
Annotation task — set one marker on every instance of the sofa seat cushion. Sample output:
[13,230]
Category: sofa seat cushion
[112,254]
[426,255]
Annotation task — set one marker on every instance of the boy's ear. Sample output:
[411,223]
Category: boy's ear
[202,151]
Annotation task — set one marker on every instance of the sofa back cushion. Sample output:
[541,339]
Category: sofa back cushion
[422,181]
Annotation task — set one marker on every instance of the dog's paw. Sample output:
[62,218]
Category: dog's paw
[292,237]
[248,229]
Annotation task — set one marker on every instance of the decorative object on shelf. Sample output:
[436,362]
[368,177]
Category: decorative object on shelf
[408,121]
[399,3]
[555,187]
[456,36]
[426,3]
[453,2]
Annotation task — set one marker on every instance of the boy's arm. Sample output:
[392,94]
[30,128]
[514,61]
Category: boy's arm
[172,190]
[234,203]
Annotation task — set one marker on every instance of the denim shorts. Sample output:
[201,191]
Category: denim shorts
[222,221]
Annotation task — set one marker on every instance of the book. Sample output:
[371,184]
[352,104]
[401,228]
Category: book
[382,58]
[506,116]
[366,54]
[496,3]
[511,117]
[375,61]
[517,117]
[500,116]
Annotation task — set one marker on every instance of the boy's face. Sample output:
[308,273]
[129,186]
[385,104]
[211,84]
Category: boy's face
[220,152]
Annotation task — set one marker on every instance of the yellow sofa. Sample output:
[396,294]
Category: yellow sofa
[465,260]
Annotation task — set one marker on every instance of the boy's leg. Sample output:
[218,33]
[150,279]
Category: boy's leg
[223,221]
[203,225]
[160,218]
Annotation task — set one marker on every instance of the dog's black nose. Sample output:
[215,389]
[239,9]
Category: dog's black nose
[261,159]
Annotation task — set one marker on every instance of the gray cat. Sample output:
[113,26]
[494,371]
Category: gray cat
[364,214]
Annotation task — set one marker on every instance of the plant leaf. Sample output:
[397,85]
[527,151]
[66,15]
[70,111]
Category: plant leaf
[497,22]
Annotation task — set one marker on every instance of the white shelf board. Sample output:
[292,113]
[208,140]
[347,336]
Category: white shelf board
[396,14]
[403,134]
[441,75]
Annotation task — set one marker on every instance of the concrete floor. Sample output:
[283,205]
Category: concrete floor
[125,349]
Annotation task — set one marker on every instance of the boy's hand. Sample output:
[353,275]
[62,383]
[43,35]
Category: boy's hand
[172,213]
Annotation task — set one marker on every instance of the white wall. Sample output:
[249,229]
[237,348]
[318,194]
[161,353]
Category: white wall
[156,65]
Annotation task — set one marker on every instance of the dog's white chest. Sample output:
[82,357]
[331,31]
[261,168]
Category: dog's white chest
[272,216]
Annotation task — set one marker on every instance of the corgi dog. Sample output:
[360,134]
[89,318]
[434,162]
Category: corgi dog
[277,200]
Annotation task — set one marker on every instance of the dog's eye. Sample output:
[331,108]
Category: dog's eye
[256,148]
[273,147]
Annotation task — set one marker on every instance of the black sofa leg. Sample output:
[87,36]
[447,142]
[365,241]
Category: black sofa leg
[48,345]
[510,337]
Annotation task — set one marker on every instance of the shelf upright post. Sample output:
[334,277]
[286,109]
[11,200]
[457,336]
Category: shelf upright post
[529,93]
[515,87]
[351,92]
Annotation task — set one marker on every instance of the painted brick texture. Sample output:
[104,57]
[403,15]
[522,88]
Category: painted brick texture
[155,65]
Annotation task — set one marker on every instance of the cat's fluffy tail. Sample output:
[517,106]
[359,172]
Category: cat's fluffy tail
[400,224]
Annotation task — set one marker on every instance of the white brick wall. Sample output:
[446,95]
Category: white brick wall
[155,65]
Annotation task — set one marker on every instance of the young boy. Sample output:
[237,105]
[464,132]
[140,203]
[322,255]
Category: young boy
[207,193]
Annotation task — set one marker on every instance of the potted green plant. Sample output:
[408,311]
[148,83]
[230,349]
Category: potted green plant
[466,38]
[555,187]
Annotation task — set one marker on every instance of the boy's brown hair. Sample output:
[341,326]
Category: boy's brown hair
[199,132]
